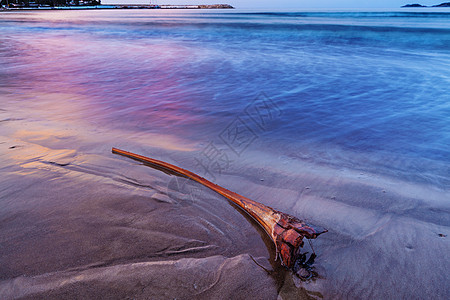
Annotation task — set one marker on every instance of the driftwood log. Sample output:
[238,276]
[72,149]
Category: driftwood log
[287,232]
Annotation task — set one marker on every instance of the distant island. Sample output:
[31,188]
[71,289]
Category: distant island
[96,4]
[414,5]
[445,4]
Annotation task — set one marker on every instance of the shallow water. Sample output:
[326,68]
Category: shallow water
[339,118]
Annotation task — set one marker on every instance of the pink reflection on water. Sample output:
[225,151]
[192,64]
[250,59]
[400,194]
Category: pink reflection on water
[136,85]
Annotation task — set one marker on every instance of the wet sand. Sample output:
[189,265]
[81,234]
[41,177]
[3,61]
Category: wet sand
[79,221]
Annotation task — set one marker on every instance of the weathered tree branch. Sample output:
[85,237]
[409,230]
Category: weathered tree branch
[287,232]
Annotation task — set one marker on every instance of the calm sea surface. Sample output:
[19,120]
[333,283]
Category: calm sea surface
[373,84]
[364,94]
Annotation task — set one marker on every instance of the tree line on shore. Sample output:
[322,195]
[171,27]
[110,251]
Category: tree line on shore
[51,3]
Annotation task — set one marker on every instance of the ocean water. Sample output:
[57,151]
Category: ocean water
[339,117]
[374,84]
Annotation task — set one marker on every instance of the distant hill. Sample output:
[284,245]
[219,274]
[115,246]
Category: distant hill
[445,4]
[414,5]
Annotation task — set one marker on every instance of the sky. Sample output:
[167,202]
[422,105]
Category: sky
[289,3]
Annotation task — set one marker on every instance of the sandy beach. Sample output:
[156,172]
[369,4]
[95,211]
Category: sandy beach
[78,221]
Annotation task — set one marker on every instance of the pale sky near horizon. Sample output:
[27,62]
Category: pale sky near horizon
[280,4]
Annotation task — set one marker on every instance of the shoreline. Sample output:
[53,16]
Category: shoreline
[122,6]
[127,202]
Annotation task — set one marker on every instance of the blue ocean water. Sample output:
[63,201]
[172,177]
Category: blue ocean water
[371,89]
